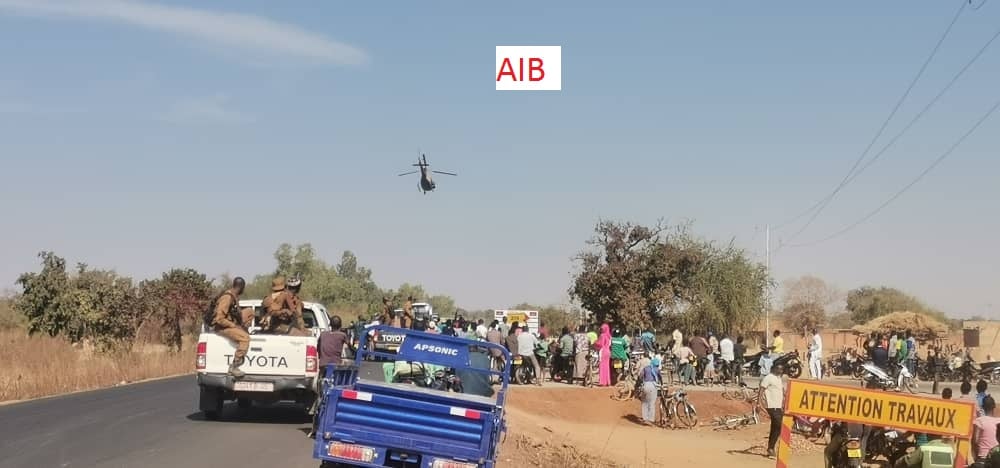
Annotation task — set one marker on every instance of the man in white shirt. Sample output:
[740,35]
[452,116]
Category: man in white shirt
[772,397]
[481,330]
[816,356]
[684,368]
[526,343]
[727,355]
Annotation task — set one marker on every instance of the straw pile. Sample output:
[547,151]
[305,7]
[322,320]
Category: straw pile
[923,327]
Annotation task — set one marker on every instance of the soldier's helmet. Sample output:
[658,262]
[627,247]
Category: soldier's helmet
[278,283]
[294,283]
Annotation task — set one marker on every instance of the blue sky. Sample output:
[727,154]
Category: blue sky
[143,136]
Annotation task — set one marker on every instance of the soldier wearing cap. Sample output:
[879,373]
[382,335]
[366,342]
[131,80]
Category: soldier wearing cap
[283,309]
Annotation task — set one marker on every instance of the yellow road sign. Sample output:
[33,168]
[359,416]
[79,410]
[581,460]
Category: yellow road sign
[879,408]
[520,317]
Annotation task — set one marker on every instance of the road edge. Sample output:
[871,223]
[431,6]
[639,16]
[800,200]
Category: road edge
[95,389]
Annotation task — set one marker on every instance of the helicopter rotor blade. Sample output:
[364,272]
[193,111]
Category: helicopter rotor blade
[408,173]
[445,173]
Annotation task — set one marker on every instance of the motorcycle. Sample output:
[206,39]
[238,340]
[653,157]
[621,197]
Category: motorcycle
[792,363]
[791,360]
[889,444]
[813,428]
[849,454]
[446,380]
[846,364]
[523,370]
[876,377]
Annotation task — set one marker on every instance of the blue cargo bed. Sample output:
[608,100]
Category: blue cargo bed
[373,422]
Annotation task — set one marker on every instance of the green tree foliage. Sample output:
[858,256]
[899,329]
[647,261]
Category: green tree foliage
[444,306]
[868,302]
[173,305]
[346,288]
[94,305]
[642,277]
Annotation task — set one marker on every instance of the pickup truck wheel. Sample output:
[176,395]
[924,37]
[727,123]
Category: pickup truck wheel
[210,402]
[243,403]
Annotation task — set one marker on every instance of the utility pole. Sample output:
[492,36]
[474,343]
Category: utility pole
[767,285]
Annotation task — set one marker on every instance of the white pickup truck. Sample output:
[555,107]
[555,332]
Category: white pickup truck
[277,367]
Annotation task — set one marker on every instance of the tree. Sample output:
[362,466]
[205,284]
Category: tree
[804,317]
[809,289]
[640,277]
[443,305]
[173,305]
[868,302]
[806,302]
[94,305]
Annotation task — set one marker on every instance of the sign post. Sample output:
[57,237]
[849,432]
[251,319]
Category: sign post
[876,408]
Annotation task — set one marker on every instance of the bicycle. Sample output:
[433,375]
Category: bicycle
[674,406]
[590,375]
[627,388]
[742,393]
[730,422]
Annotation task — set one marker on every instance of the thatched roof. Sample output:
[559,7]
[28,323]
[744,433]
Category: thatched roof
[923,327]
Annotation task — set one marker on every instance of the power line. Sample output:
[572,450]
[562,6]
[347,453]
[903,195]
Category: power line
[825,201]
[927,107]
[907,186]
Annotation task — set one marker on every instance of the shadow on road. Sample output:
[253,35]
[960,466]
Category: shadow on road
[265,414]
[635,419]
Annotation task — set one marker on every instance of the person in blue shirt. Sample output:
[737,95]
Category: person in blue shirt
[648,338]
[650,383]
[980,395]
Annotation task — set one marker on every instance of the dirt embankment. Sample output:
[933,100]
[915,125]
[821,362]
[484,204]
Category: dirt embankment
[576,427]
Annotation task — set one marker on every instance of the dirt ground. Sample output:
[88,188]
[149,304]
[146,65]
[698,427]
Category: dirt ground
[573,426]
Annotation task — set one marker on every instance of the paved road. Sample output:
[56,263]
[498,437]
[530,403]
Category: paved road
[153,424]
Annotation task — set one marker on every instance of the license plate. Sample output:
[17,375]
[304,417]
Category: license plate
[517,361]
[853,453]
[618,364]
[253,386]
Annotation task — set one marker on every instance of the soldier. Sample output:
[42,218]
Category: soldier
[298,323]
[284,309]
[224,323]
[274,304]
[386,317]
[407,319]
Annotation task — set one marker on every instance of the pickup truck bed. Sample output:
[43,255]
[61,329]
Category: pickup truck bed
[409,422]
[375,424]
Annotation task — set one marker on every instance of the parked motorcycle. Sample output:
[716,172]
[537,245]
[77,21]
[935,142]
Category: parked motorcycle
[849,454]
[812,428]
[889,444]
[846,364]
[876,377]
[791,361]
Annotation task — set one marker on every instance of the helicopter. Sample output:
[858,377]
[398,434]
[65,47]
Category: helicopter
[426,183]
